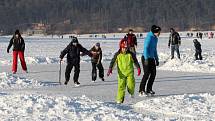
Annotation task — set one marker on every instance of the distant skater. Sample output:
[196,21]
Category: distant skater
[131,40]
[174,43]
[18,50]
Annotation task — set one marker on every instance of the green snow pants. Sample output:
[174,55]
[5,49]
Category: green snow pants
[123,82]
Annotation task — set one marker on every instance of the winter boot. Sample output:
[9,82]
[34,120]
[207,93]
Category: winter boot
[143,94]
[102,79]
[77,83]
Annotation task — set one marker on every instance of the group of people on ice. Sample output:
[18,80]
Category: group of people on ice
[124,59]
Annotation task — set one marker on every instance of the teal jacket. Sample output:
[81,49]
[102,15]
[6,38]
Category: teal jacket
[150,46]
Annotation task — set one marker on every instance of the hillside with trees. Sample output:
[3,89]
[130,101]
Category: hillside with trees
[101,16]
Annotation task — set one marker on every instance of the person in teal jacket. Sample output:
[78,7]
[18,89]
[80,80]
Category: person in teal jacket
[150,61]
[124,59]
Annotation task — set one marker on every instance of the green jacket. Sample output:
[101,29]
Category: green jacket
[125,62]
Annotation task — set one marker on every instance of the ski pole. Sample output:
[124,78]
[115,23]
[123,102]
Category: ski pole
[60,73]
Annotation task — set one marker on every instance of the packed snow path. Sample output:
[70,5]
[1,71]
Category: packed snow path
[167,83]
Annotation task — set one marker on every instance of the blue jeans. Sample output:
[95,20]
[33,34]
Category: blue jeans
[173,49]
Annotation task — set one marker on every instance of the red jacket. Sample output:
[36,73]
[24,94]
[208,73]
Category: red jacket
[131,39]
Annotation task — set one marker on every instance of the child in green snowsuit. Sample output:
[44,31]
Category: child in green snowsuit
[125,61]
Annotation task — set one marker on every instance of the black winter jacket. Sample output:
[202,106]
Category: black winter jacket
[73,53]
[197,46]
[174,39]
[18,44]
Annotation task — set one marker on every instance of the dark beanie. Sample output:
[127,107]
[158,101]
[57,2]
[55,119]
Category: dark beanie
[74,40]
[155,29]
[17,32]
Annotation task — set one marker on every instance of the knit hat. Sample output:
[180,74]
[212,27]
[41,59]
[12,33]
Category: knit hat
[155,29]
[123,44]
[74,40]
[17,32]
[195,40]
[98,44]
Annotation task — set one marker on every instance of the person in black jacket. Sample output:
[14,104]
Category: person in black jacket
[73,59]
[174,42]
[96,62]
[198,49]
[18,49]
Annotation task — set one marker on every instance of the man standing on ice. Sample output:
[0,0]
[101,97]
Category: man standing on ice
[124,59]
[96,62]
[73,59]
[18,49]
[150,61]
[131,40]
[174,42]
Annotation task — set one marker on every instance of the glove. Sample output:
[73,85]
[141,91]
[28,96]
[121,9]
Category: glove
[138,72]
[156,62]
[109,72]
[7,51]
[146,62]
[61,59]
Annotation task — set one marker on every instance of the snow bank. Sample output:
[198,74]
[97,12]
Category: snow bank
[188,63]
[34,60]
[9,81]
[179,107]
[56,108]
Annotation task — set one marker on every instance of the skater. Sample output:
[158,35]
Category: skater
[200,35]
[174,42]
[96,62]
[132,41]
[124,59]
[18,49]
[150,61]
[73,59]
[198,50]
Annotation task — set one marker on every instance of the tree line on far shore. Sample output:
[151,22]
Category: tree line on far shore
[97,16]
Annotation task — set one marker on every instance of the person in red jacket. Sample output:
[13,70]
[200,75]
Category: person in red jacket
[131,40]
[18,49]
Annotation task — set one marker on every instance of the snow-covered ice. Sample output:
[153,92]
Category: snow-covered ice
[187,94]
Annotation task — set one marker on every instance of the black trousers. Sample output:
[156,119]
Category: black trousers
[94,70]
[198,55]
[149,75]
[76,71]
